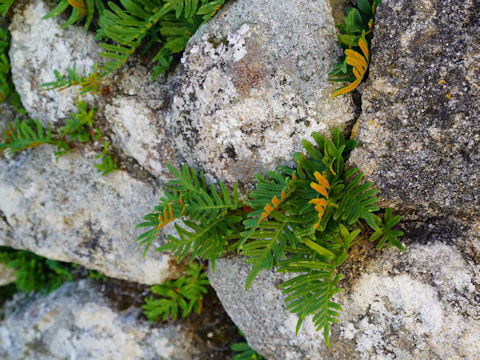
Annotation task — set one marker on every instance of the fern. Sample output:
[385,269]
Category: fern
[311,231]
[5,6]
[108,164]
[33,272]
[171,23]
[301,221]
[245,352]
[384,233]
[87,83]
[27,134]
[210,217]
[79,9]
[355,37]
[184,295]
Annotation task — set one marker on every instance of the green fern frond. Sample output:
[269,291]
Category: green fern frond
[312,291]
[184,295]
[77,127]
[355,37]
[108,164]
[385,234]
[355,200]
[26,134]
[129,24]
[245,352]
[79,9]
[5,6]
[210,216]
[86,82]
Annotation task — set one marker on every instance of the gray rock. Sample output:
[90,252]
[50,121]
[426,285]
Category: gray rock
[135,112]
[420,304]
[420,130]
[78,322]
[130,111]
[38,47]
[253,83]
[65,210]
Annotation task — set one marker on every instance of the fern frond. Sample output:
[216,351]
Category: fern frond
[356,200]
[312,291]
[385,234]
[359,64]
[5,6]
[354,36]
[184,294]
[25,134]
[79,9]
[206,240]
[108,164]
[128,26]
[210,216]
[86,82]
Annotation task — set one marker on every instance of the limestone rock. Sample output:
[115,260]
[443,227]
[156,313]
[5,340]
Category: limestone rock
[135,111]
[419,129]
[38,47]
[65,210]
[130,110]
[420,304]
[78,322]
[253,83]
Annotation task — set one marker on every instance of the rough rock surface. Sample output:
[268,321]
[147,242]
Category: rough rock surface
[38,47]
[420,304]
[67,211]
[253,84]
[77,322]
[131,110]
[136,113]
[420,130]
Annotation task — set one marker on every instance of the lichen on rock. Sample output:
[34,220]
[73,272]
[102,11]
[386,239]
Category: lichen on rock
[419,130]
[65,210]
[78,322]
[252,83]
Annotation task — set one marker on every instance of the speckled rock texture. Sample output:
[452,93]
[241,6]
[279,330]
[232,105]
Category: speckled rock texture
[38,47]
[131,108]
[77,322]
[253,83]
[420,304]
[420,127]
[65,210]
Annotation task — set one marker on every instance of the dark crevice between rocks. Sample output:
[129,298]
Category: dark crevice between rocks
[213,332]
[4,219]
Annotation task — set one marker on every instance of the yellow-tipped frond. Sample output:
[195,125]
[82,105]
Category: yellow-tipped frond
[275,202]
[168,216]
[79,5]
[360,65]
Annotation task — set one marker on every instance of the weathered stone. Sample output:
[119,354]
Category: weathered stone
[420,304]
[78,322]
[420,130]
[7,275]
[131,108]
[38,47]
[135,112]
[65,210]
[253,84]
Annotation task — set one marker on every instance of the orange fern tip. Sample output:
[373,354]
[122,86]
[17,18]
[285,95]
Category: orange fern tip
[320,189]
[168,217]
[79,5]
[321,179]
